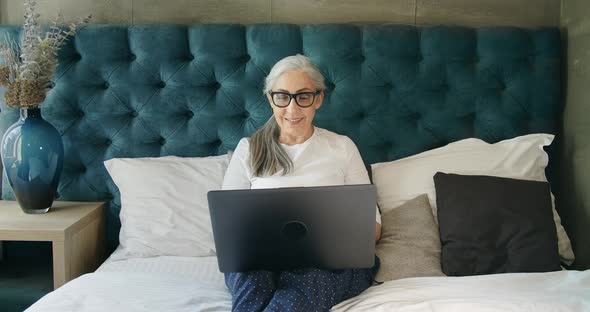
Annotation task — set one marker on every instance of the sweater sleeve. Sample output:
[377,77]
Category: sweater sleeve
[356,173]
[237,175]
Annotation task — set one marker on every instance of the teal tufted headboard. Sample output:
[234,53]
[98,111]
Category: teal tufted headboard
[134,91]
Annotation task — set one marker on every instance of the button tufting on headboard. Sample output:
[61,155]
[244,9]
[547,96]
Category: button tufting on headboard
[330,86]
[415,116]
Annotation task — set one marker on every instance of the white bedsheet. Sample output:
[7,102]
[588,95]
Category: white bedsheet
[194,284]
[204,269]
[134,292]
[143,284]
[554,291]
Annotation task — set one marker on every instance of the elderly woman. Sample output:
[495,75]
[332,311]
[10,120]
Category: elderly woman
[290,151]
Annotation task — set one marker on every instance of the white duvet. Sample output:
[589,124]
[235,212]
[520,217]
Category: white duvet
[555,291]
[134,292]
[184,284]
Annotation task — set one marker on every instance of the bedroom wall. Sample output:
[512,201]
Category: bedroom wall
[460,12]
[575,164]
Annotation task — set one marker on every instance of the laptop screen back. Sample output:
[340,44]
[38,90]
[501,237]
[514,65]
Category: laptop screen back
[327,227]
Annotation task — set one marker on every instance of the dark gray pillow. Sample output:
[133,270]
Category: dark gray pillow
[410,244]
[495,225]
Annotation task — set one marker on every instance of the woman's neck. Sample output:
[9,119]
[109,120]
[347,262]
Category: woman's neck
[287,139]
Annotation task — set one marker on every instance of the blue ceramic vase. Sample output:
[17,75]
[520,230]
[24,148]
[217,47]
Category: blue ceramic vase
[32,155]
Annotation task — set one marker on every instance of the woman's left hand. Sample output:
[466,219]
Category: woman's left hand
[377,232]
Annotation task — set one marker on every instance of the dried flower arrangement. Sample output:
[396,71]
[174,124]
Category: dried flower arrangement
[28,76]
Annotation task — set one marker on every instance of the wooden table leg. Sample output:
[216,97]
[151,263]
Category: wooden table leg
[61,262]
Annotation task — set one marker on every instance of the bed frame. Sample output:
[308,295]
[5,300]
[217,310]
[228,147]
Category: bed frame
[155,90]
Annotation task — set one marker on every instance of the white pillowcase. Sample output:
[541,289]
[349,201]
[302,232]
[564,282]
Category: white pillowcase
[164,209]
[521,158]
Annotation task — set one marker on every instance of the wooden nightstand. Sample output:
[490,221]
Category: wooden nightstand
[75,229]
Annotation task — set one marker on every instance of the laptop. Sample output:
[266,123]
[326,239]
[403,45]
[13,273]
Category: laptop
[326,227]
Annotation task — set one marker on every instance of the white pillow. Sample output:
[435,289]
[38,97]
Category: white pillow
[521,158]
[164,209]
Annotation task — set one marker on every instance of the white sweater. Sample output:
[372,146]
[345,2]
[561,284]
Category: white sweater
[326,158]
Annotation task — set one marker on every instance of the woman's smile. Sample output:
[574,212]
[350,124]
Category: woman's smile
[294,121]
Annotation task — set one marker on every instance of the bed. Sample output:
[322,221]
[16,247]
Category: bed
[138,92]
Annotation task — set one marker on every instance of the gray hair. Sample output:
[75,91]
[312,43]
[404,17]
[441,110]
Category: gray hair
[266,154]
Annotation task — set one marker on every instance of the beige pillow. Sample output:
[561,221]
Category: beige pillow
[410,242]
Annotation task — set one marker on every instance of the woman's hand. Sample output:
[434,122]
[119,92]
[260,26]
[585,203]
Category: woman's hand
[377,232]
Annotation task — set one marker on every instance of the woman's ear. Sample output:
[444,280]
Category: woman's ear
[319,100]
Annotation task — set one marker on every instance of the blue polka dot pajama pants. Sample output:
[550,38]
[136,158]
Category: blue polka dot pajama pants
[306,290]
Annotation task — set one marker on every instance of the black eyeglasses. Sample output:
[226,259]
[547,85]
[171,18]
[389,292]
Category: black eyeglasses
[302,99]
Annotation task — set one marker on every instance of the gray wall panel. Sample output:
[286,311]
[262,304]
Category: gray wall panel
[575,143]
[488,12]
[201,11]
[335,11]
[457,12]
